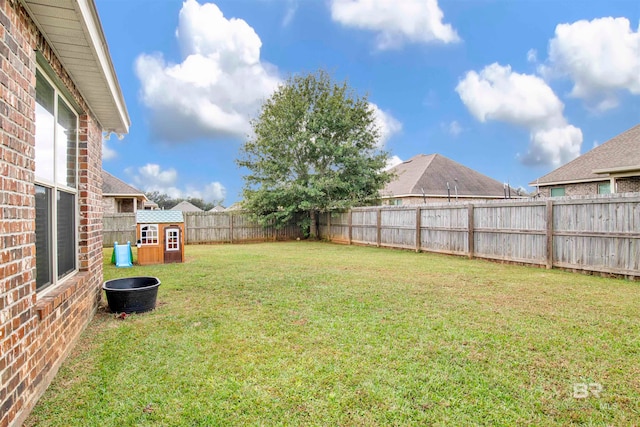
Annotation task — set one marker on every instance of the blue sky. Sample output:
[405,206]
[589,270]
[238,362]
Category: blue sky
[511,88]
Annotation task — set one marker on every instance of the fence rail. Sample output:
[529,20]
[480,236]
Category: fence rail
[592,233]
[202,227]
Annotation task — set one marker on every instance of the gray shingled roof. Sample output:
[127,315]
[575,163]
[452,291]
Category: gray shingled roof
[186,207]
[113,186]
[428,175]
[620,151]
[151,204]
[159,217]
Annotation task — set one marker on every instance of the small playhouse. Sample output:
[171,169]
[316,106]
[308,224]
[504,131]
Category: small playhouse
[160,237]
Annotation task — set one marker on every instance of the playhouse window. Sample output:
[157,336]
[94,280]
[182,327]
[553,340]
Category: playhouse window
[149,234]
[56,137]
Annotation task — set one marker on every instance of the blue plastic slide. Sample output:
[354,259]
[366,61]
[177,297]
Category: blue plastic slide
[122,255]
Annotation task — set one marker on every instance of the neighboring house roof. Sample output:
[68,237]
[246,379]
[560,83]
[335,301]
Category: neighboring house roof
[114,187]
[186,207]
[619,154]
[151,204]
[218,208]
[159,217]
[74,32]
[235,207]
[428,175]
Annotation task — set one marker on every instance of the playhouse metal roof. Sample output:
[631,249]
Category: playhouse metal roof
[157,217]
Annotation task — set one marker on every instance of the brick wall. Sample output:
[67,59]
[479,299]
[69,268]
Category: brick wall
[37,331]
[126,206]
[581,189]
[628,185]
[623,185]
[109,205]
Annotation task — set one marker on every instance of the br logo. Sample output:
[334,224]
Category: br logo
[584,390]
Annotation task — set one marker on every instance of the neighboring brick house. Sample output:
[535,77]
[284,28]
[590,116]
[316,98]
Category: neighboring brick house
[435,178]
[612,167]
[120,197]
[59,92]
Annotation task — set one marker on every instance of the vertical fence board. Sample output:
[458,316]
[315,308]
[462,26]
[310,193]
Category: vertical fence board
[203,227]
[118,228]
[595,233]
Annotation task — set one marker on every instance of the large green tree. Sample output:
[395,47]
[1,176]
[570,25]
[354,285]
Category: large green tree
[314,148]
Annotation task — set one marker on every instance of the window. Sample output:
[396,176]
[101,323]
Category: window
[149,234]
[56,190]
[395,202]
[173,240]
[604,188]
[557,192]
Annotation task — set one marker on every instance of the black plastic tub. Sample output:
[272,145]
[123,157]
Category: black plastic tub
[132,294]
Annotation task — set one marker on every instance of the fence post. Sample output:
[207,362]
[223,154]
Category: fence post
[379,227]
[418,228]
[186,218]
[470,230]
[329,225]
[549,232]
[350,224]
[313,229]
[231,227]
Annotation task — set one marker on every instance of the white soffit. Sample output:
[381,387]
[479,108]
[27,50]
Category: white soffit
[74,32]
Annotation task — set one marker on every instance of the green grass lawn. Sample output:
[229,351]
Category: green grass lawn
[304,333]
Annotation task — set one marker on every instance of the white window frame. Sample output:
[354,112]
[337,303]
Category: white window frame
[149,227]
[168,245]
[54,187]
[605,183]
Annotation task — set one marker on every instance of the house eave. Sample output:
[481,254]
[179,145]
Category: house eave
[622,170]
[95,79]
[118,195]
[572,181]
[444,196]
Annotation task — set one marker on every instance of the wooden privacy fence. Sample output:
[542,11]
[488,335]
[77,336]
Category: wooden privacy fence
[118,228]
[595,233]
[202,227]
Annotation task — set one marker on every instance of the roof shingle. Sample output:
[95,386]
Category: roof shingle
[428,175]
[185,206]
[113,186]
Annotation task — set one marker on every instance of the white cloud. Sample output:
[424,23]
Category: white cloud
[108,153]
[386,123]
[555,146]
[396,22]
[392,161]
[601,57]
[532,56]
[454,129]
[290,12]
[151,177]
[219,85]
[213,191]
[498,93]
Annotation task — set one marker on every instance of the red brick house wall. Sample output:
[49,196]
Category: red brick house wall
[37,332]
[623,185]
